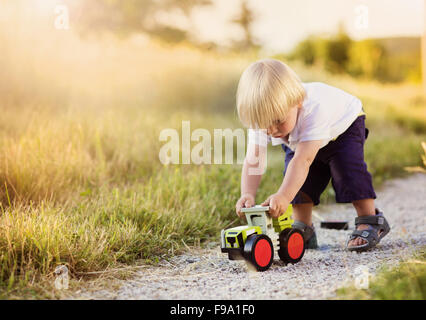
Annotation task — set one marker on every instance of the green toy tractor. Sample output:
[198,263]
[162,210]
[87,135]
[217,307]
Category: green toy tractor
[257,241]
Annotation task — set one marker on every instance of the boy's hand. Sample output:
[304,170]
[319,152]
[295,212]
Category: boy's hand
[277,203]
[246,201]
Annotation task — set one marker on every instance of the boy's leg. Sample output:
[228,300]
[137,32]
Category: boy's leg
[303,212]
[350,178]
[308,196]
[364,207]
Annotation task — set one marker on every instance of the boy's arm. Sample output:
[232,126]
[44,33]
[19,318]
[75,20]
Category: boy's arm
[294,178]
[253,167]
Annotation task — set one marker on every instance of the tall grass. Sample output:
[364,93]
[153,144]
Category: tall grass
[117,225]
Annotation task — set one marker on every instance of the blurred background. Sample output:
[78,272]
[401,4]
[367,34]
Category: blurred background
[87,86]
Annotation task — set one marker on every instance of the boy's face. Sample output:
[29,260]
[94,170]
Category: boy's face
[281,129]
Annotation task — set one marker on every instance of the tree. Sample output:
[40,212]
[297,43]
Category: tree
[245,20]
[130,16]
[367,58]
[336,54]
[306,51]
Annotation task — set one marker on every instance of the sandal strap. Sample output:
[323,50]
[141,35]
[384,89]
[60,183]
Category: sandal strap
[371,220]
[366,234]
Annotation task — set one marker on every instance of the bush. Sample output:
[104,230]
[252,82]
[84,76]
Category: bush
[366,58]
[378,59]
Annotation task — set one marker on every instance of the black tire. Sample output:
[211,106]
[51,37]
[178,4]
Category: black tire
[292,245]
[259,251]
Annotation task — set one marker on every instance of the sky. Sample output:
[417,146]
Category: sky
[282,23]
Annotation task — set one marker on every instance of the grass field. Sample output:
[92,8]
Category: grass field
[81,182]
[404,282]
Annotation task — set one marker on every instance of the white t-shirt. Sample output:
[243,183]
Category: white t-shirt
[325,114]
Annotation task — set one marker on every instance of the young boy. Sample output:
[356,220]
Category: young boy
[322,131]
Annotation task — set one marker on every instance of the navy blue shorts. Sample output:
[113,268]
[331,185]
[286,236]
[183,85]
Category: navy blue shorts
[342,161]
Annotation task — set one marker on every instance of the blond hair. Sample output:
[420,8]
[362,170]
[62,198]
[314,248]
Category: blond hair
[267,90]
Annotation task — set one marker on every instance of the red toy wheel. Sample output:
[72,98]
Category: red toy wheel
[259,251]
[292,245]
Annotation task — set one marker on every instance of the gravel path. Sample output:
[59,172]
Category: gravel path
[208,274]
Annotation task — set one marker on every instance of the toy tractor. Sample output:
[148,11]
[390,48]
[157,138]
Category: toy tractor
[257,241]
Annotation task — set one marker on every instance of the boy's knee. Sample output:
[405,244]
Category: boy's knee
[303,199]
[303,207]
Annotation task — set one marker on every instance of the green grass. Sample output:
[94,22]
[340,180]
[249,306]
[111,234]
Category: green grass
[117,225]
[407,281]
